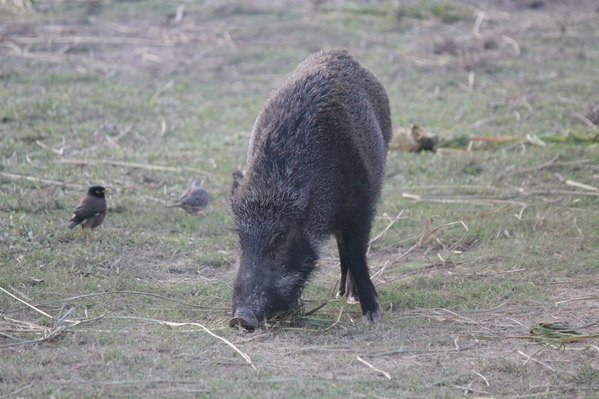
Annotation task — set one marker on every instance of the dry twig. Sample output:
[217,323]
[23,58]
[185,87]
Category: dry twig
[592,298]
[425,237]
[47,147]
[584,120]
[177,324]
[382,233]
[40,180]
[382,372]
[583,186]
[473,201]
[134,165]
[94,294]
[536,361]
[552,163]
[27,304]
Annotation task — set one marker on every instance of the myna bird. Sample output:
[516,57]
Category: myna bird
[91,209]
[194,200]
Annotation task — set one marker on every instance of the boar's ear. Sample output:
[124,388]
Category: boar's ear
[237,180]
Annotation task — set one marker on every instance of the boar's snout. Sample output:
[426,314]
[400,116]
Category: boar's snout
[245,319]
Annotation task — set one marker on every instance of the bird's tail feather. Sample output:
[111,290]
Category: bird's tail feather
[73,224]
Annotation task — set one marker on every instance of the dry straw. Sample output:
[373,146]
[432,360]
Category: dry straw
[61,324]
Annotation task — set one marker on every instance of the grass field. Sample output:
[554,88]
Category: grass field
[480,244]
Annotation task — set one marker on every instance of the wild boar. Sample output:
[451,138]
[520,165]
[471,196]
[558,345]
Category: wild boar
[315,168]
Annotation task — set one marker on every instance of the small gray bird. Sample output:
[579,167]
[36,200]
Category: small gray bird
[194,200]
[91,209]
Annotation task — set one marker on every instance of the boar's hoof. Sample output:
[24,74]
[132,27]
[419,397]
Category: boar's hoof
[244,318]
[372,317]
[352,300]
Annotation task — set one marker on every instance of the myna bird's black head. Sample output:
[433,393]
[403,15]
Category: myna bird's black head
[96,191]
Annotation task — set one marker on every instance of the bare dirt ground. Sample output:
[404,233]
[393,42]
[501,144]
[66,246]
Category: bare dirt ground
[475,245]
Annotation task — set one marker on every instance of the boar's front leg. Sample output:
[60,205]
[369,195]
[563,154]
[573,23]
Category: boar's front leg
[354,244]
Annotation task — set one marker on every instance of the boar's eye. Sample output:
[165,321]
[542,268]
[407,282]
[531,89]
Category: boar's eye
[278,239]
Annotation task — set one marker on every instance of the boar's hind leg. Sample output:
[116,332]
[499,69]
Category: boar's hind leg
[346,283]
[342,262]
[355,244]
